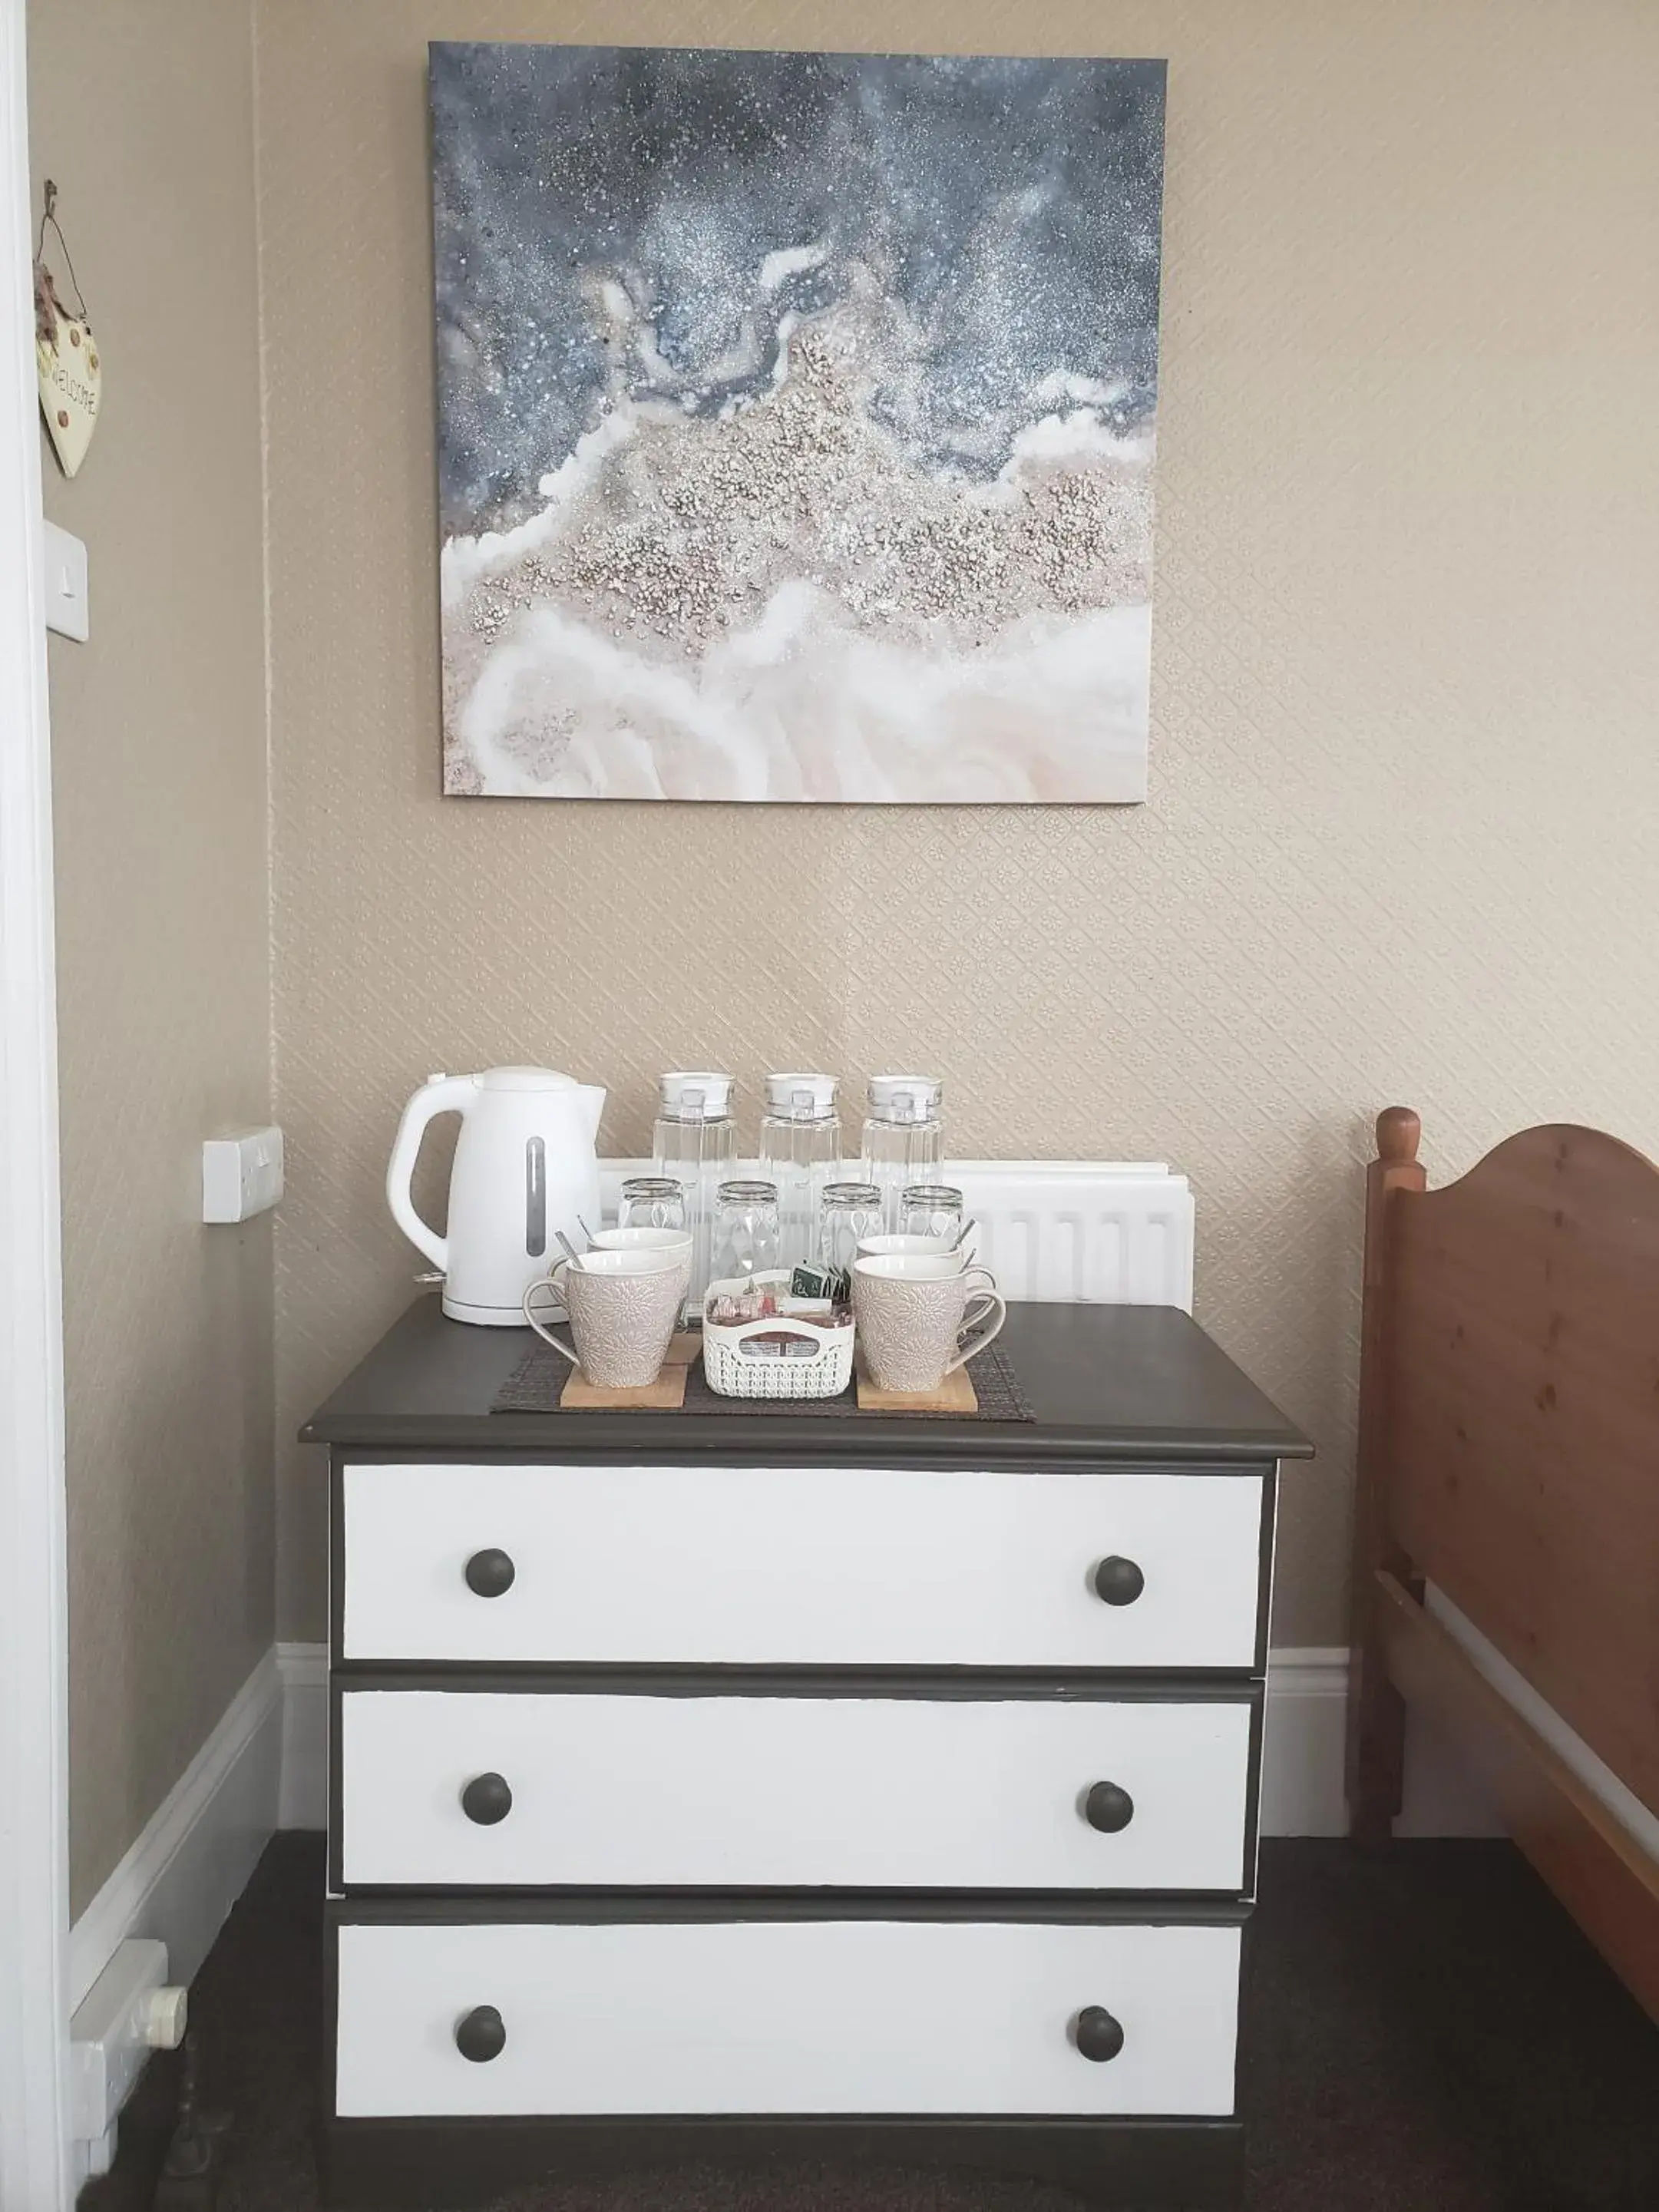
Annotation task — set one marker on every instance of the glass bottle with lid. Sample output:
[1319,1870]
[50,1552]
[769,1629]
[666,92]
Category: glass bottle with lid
[695,1141]
[903,1138]
[800,1151]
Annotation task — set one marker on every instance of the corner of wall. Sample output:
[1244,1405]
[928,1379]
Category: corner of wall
[254,112]
[147,121]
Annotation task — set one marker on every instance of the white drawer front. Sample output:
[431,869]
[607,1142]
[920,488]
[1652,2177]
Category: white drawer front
[786,2016]
[801,1566]
[782,1792]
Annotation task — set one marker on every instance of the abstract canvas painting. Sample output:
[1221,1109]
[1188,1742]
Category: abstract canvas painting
[796,419]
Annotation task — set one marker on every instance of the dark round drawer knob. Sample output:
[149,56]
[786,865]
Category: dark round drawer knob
[1098,2035]
[1118,1582]
[1106,1806]
[479,2034]
[487,1799]
[489,1574]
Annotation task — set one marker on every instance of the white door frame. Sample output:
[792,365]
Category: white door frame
[36,2171]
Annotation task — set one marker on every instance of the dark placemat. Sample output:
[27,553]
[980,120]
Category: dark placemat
[537,1383]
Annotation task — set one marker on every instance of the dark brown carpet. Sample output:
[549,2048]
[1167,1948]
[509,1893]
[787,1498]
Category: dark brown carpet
[1426,2032]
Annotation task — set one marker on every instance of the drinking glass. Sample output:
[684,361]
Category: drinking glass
[652,1202]
[931,1209]
[745,1229]
[846,1213]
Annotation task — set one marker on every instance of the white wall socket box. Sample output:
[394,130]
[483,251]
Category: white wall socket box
[241,1175]
[67,609]
[130,2011]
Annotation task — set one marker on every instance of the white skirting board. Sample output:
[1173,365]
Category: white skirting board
[304,1800]
[1302,1768]
[1303,1750]
[1302,1743]
[265,1767]
[193,1859]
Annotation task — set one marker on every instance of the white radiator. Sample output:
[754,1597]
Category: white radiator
[1106,1232]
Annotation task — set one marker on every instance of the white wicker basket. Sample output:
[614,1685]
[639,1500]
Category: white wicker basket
[734,1372]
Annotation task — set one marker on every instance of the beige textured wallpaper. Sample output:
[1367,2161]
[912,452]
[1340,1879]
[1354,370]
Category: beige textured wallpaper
[143,116]
[1405,781]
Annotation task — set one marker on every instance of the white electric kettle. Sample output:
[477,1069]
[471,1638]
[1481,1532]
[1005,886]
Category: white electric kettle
[525,1167]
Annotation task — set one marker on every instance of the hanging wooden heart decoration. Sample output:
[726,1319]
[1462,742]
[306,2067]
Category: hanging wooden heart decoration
[67,363]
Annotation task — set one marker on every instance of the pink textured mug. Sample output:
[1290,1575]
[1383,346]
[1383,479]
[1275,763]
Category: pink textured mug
[912,1311]
[623,1307]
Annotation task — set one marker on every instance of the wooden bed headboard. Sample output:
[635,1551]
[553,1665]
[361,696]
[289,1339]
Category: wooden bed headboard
[1510,1433]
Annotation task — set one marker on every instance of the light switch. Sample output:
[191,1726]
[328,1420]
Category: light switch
[241,1176]
[68,610]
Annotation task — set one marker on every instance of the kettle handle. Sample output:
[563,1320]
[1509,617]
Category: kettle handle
[445,1094]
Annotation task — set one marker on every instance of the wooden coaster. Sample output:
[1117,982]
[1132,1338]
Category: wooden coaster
[668,1391]
[683,1349]
[955,1395]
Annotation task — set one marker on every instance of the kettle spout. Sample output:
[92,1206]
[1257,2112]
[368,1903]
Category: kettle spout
[592,1096]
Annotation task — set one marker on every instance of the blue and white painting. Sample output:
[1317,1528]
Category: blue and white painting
[796,418]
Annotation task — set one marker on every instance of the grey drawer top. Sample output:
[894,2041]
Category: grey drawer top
[1124,1382]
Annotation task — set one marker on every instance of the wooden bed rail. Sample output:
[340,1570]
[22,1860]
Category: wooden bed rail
[1605,1879]
[1376,1716]
[1509,1457]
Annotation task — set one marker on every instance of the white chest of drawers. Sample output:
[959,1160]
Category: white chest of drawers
[738,1784]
